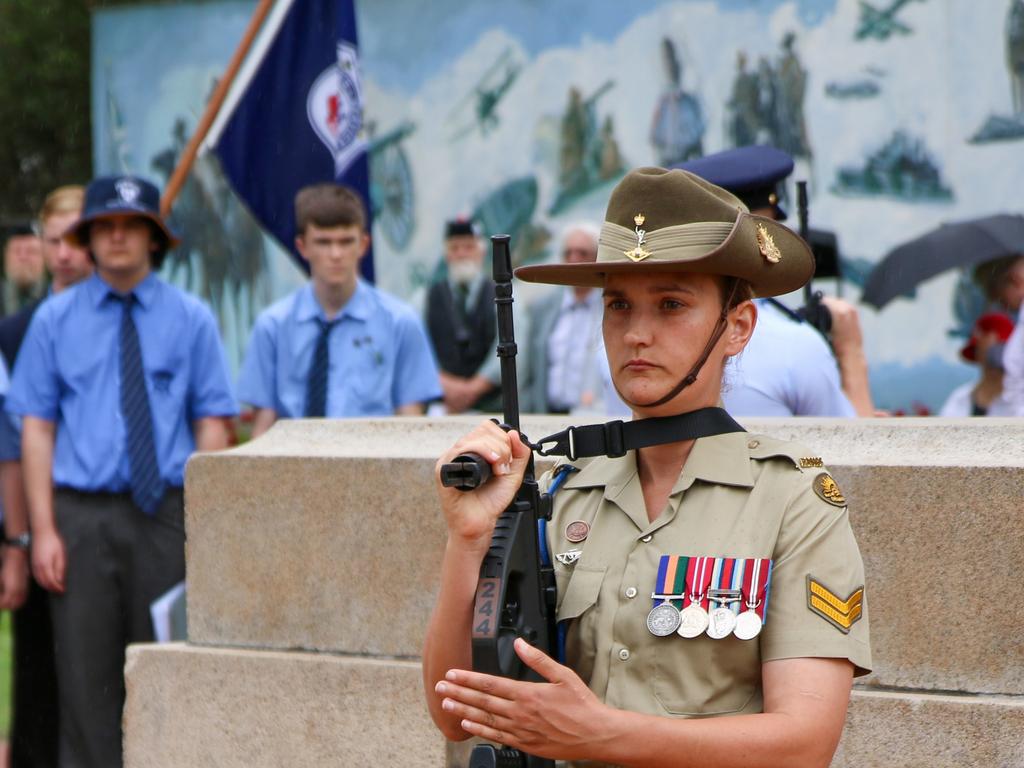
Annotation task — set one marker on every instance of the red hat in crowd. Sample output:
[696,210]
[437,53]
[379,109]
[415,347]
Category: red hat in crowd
[990,322]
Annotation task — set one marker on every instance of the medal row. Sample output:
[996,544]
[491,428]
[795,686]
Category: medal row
[710,591]
[693,621]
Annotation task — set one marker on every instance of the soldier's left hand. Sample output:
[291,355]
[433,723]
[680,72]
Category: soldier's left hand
[559,719]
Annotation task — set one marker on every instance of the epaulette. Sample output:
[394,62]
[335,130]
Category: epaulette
[824,486]
[763,447]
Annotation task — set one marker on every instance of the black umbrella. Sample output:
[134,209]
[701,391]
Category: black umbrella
[962,244]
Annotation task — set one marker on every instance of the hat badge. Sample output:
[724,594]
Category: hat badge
[127,190]
[766,245]
[639,253]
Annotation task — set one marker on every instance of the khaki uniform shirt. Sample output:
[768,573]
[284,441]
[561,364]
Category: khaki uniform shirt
[738,495]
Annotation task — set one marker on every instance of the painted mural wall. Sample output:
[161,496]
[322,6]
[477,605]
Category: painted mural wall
[902,114]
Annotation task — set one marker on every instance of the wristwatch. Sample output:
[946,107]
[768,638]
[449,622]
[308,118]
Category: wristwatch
[21,541]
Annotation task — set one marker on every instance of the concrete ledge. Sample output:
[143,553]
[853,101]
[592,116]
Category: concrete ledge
[904,441]
[329,537]
[913,730]
[198,707]
[190,706]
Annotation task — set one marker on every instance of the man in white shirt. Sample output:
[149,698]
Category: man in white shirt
[561,372]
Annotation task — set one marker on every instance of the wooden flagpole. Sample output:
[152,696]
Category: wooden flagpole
[188,157]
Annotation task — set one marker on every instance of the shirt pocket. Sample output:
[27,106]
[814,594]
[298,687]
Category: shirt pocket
[576,606]
[369,375]
[701,676]
[167,378]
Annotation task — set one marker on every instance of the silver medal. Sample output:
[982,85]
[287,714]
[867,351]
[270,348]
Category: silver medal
[663,620]
[721,622]
[748,625]
[693,620]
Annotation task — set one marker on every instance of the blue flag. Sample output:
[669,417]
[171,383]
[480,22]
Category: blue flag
[299,119]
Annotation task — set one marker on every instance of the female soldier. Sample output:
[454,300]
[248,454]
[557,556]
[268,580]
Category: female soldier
[750,530]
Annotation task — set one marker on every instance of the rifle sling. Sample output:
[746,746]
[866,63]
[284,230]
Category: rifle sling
[614,438]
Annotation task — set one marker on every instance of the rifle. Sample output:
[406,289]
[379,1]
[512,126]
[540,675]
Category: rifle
[813,311]
[516,592]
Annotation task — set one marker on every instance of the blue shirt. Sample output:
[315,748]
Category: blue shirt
[787,369]
[68,372]
[380,357]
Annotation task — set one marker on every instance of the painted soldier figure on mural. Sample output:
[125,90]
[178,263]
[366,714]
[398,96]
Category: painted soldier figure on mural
[1015,53]
[743,117]
[574,140]
[767,106]
[677,129]
[588,152]
[767,98]
[611,158]
[792,86]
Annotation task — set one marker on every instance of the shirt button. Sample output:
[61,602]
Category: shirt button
[753,444]
[647,539]
[624,654]
[631,592]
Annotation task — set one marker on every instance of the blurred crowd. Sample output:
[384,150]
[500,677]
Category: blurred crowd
[112,378]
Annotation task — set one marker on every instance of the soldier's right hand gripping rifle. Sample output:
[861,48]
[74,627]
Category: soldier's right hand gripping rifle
[516,594]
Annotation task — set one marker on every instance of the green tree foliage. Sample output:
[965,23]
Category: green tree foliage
[45,137]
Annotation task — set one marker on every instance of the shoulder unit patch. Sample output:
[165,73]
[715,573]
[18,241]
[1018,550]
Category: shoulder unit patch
[827,490]
[839,612]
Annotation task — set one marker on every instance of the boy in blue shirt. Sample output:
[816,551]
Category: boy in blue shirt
[338,346]
[119,379]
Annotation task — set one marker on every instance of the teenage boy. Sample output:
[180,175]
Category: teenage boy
[118,381]
[337,346]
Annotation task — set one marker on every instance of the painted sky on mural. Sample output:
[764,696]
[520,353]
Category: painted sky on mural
[422,63]
[938,84]
[406,60]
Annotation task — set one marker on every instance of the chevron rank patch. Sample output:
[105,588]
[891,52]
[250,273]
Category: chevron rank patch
[841,613]
[827,490]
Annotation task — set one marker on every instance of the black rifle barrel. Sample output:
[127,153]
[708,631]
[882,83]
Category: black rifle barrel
[501,269]
[468,471]
[801,207]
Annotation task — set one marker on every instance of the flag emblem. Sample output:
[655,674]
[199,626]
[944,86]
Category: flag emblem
[335,108]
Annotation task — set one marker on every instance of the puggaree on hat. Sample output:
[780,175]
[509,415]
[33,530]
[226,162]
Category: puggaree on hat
[108,196]
[674,221]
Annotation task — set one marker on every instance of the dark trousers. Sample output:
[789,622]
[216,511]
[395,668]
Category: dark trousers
[34,695]
[119,561]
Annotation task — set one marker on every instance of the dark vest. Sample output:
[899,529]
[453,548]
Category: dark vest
[12,332]
[461,342]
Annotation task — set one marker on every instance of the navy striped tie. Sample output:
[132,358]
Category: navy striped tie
[146,483]
[316,382]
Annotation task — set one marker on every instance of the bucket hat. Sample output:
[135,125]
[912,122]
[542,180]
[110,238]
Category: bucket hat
[108,196]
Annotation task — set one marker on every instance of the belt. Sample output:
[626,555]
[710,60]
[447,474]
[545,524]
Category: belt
[108,494]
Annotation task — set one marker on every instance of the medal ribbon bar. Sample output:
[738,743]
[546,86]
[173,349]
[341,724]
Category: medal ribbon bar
[671,578]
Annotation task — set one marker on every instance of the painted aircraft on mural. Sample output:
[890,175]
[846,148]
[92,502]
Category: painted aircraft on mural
[881,23]
[485,97]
